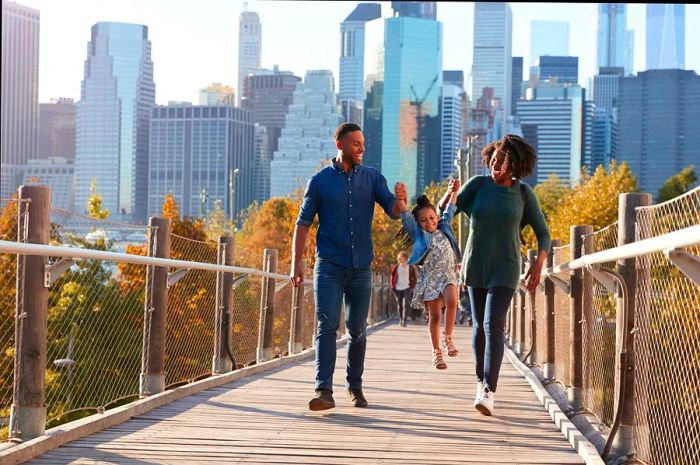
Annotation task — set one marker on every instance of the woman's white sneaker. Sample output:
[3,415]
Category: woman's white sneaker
[479,392]
[485,404]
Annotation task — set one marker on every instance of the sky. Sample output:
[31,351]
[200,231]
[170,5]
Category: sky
[196,43]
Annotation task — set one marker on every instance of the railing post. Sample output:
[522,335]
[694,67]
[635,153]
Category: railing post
[222,361]
[576,299]
[548,366]
[28,411]
[267,304]
[296,319]
[152,379]
[624,341]
[532,358]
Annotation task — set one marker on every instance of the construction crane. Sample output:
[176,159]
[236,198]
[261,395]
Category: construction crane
[420,138]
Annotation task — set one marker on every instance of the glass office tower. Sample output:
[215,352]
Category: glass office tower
[112,120]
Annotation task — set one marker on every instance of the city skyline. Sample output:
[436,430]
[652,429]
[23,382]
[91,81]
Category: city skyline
[177,39]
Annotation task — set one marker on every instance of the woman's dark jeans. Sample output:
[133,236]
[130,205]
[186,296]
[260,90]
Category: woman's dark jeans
[489,311]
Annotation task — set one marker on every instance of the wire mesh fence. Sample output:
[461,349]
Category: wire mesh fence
[599,329]
[562,339]
[95,319]
[13,214]
[246,308]
[667,342]
[190,323]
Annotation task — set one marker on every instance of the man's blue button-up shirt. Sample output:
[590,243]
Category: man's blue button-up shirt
[344,203]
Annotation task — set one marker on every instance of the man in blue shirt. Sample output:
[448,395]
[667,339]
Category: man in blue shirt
[343,195]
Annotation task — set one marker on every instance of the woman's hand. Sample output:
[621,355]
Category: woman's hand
[534,272]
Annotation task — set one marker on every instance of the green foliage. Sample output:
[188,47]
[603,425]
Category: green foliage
[217,224]
[678,184]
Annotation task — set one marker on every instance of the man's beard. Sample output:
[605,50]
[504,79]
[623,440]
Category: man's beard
[351,159]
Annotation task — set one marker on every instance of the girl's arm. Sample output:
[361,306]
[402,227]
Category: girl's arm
[450,197]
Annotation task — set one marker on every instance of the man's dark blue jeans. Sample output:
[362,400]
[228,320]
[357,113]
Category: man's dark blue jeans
[332,283]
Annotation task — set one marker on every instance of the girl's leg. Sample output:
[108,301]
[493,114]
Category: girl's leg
[477,297]
[434,311]
[494,323]
[451,297]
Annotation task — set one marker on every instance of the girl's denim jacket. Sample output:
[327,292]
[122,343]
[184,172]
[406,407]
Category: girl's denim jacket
[422,238]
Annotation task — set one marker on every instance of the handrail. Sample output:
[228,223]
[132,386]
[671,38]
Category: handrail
[23,248]
[682,238]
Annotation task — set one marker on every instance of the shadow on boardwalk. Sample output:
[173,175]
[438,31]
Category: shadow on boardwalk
[417,415]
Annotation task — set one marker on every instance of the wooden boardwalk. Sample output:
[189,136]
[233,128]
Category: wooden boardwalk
[417,415]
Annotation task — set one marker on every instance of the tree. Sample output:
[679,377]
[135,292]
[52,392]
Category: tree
[678,184]
[94,203]
[217,223]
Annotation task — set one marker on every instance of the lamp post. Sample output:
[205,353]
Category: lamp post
[202,200]
[232,194]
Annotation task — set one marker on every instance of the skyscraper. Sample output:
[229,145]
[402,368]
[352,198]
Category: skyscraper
[565,69]
[410,116]
[193,151]
[19,98]
[492,58]
[425,10]
[307,137]
[559,112]
[658,116]
[612,29]
[452,100]
[605,87]
[628,60]
[516,81]
[261,164]
[249,45]
[548,38]
[57,129]
[57,174]
[268,94]
[352,50]
[373,105]
[665,36]
[112,120]
[217,94]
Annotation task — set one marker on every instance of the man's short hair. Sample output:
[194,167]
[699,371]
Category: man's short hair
[345,128]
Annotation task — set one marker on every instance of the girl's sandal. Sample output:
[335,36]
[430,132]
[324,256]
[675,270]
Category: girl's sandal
[438,362]
[447,343]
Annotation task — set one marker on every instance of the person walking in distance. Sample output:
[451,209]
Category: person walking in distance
[498,207]
[402,281]
[343,196]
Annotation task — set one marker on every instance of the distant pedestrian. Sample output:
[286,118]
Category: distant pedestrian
[403,281]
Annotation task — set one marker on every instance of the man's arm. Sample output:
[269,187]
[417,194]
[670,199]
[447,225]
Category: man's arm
[301,232]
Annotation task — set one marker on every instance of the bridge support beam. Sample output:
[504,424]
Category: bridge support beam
[296,319]
[152,379]
[548,366]
[222,361]
[576,302]
[28,411]
[624,375]
[531,357]
[267,305]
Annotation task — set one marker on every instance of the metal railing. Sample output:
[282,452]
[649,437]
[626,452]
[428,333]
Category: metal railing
[160,311]
[625,306]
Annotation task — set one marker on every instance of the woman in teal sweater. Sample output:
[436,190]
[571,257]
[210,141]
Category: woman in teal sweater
[498,206]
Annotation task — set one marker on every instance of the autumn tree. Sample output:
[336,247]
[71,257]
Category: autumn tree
[94,203]
[678,184]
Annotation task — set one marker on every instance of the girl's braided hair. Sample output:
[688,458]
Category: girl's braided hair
[421,202]
[521,155]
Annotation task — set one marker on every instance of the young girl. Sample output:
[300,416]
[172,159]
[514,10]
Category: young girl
[435,248]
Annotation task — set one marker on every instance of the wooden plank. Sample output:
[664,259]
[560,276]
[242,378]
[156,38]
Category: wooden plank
[416,415]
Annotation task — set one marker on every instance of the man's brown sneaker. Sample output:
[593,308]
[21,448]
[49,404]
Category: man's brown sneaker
[357,398]
[323,400]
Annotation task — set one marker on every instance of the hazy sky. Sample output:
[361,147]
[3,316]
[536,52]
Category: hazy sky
[195,43]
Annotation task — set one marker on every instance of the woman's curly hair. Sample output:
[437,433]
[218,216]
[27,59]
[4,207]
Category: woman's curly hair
[421,202]
[521,155]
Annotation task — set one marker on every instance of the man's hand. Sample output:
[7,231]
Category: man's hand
[400,191]
[296,275]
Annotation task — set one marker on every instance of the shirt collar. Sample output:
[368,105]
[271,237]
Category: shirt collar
[339,166]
